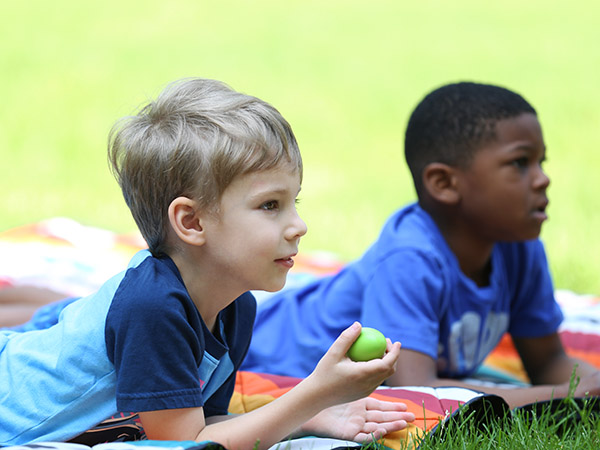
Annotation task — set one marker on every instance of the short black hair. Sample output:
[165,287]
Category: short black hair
[452,121]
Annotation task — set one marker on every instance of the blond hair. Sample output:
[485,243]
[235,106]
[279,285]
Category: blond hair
[192,141]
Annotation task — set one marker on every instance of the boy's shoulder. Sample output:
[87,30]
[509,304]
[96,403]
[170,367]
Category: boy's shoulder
[409,245]
[147,290]
[411,228]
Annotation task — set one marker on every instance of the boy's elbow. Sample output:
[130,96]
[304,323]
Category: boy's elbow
[401,378]
[414,369]
[558,370]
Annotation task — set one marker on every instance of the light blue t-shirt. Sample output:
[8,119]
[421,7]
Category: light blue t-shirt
[138,344]
[409,286]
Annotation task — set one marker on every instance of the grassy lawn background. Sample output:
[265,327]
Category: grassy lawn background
[346,74]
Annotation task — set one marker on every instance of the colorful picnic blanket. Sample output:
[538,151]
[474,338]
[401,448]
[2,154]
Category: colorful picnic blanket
[66,256]
[431,406]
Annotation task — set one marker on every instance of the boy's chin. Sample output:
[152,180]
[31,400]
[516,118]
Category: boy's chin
[274,287]
[534,234]
[522,237]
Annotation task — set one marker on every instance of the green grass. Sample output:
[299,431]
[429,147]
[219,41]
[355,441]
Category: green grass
[345,74]
[570,426]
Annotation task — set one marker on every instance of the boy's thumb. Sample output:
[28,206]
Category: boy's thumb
[348,336]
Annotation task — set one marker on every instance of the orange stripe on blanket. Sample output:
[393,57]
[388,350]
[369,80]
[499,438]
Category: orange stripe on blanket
[253,390]
[506,359]
[317,263]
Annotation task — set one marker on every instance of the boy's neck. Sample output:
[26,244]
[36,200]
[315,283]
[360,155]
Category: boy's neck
[473,255]
[201,287]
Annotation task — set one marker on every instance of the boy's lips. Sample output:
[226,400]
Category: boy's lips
[286,261]
[539,211]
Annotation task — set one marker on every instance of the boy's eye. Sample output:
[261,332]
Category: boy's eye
[270,205]
[521,162]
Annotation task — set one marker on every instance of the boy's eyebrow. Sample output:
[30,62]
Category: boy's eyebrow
[525,146]
[276,191]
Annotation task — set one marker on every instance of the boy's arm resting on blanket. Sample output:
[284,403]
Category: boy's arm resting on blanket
[335,380]
[547,363]
[19,303]
[416,368]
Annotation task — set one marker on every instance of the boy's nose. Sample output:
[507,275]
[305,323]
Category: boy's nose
[541,180]
[298,227]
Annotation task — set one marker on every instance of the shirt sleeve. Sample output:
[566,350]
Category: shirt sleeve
[404,300]
[154,343]
[534,310]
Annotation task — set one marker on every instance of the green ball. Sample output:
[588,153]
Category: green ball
[369,345]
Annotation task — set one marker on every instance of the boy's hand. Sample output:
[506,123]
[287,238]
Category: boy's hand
[589,385]
[363,420]
[343,380]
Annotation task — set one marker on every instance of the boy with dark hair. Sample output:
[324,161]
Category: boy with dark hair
[451,274]
[211,177]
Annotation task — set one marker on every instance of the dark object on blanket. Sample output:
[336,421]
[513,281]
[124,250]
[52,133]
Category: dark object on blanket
[474,416]
[126,427]
[562,414]
[121,428]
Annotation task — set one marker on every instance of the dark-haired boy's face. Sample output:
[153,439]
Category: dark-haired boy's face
[503,191]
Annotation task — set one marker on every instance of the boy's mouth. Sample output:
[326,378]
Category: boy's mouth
[542,206]
[540,211]
[287,262]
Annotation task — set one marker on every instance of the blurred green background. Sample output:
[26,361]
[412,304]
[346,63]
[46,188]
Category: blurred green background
[346,74]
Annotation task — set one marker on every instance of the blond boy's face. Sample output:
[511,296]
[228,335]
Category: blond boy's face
[503,191]
[255,234]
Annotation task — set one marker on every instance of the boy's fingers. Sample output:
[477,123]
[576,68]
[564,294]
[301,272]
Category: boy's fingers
[393,352]
[347,338]
[389,416]
[373,404]
[389,344]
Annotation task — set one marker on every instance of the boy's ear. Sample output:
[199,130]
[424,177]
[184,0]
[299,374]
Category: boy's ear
[440,181]
[185,220]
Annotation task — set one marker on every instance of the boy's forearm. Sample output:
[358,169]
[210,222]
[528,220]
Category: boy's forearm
[515,397]
[561,371]
[269,424]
